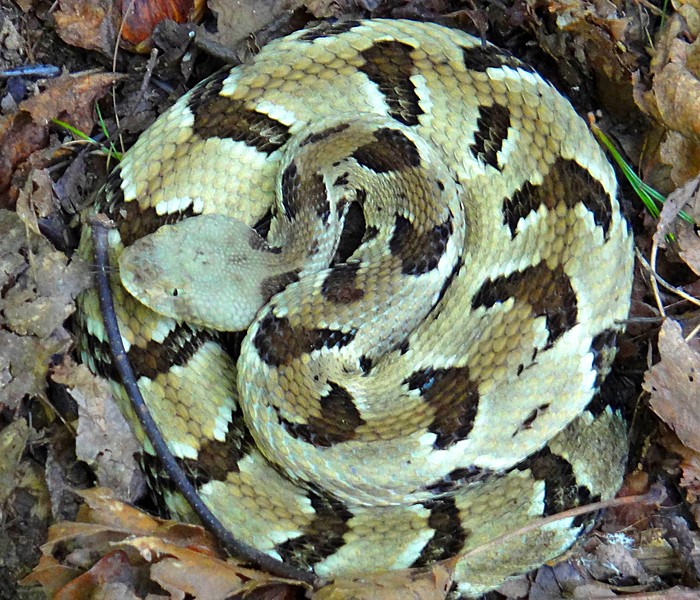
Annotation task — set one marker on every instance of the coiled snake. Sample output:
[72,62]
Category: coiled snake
[421,244]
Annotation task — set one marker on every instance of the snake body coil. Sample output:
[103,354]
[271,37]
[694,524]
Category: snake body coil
[420,243]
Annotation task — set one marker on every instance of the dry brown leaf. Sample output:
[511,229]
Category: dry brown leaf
[674,385]
[673,99]
[238,20]
[101,507]
[183,559]
[20,136]
[71,98]
[690,464]
[100,580]
[409,584]
[689,244]
[13,439]
[595,44]
[39,285]
[682,153]
[183,571]
[687,198]
[51,575]
[688,237]
[104,440]
[94,532]
[678,200]
[23,366]
[40,298]
[613,559]
[632,515]
[36,199]
[89,24]
[677,95]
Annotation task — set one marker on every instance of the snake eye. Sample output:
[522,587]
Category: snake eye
[175,292]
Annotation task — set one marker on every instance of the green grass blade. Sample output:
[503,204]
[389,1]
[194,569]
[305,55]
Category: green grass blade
[111,152]
[651,198]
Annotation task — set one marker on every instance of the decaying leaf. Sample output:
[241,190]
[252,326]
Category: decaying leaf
[20,136]
[678,200]
[690,465]
[70,98]
[675,92]
[104,440]
[236,21]
[409,584]
[673,99]
[13,439]
[597,38]
[183,560]
[51,575]
[41,284]
[177,569]
[89,24]
[689,237]
[674,385]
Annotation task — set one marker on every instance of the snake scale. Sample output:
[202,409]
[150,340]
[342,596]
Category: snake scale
[370,283]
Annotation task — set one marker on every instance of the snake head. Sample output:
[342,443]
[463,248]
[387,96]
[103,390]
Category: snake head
[210,270]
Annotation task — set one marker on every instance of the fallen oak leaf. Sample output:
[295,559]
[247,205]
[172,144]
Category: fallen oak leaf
[101,507]
[71,98]
[142,16]
[674,385]
[69,568]
[85,534]
[104,520]
[689,464]
[104,438]
[39,286]
[182,571]
[112,568]
[51,575]
[673,99]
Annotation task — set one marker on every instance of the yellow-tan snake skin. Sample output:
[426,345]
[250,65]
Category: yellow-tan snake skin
[420,244]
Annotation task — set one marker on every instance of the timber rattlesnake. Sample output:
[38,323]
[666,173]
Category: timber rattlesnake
[423,242]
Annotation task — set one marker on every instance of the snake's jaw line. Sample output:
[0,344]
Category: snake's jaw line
[423,323]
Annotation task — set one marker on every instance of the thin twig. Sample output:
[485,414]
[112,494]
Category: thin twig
[652,279]
[652,497]
[693,333]
[665,283]
[655,10]
[100,229]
